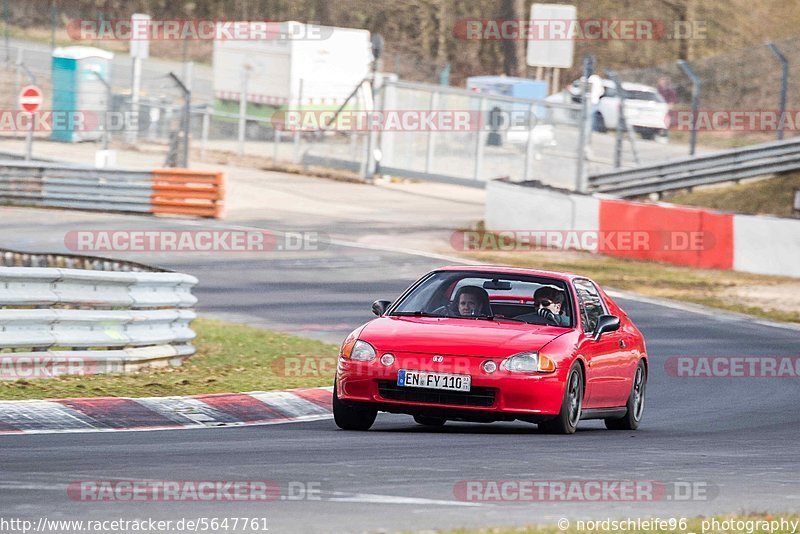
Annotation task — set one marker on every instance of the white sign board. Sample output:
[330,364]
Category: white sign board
[551,41]
[140,36]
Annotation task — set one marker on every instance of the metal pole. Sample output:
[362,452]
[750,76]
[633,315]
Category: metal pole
[204,134]
[784,87]
[187,106]
[620,119]
[429,151]
[296,136]
[136,80]
[695,102]
[532,120]
[29,138]
[476,172]
[53,22]
[6,16]
[580,173]
[243,108]
[108,108]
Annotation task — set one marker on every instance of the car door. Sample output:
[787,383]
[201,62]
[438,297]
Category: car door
[605,357]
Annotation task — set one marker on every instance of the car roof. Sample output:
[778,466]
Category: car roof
[502,269]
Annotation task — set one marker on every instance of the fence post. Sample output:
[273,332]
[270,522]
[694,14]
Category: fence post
[243,107]
[532,121]
[580,170]
[204,132]
[476,173]
[695,102]
[784,87]
[429,150]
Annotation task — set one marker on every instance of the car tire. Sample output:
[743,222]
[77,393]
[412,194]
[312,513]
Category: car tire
[635,403]
[599,123]
[566,422]
[427,420]
[350,417]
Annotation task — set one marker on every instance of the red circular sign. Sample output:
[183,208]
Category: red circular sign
[30,98]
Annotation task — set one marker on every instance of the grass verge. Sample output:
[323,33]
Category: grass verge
[725,524]
[229,358]
[774,196]
[714,288]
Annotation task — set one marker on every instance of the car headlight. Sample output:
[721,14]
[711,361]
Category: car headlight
[362,352]
[528,362]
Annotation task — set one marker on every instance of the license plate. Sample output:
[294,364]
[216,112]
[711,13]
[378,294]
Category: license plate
[422,379]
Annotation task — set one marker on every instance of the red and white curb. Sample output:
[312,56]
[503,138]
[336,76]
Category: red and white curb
[110,414]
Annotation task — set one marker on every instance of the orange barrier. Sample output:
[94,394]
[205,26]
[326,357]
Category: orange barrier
[187,192]
[675,234]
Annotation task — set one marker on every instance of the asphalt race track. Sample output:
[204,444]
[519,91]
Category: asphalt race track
[736,438]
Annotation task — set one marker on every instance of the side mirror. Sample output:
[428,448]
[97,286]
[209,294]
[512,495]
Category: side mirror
[606,323]
[379,307]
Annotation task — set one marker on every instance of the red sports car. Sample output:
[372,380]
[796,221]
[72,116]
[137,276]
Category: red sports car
[489,343]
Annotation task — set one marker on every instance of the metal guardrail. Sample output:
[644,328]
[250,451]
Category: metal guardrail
[706,169]
[73,321]
[17,258]
[168,191]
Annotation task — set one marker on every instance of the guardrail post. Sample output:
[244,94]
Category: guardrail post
[695,102]
[784,87]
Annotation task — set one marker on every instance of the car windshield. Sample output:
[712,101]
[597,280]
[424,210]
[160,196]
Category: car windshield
[478,295]
[649,96]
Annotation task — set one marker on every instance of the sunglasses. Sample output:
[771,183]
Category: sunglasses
[546,302]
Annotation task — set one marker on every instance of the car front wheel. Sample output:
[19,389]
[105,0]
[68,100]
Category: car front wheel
[566,422]
[351,417]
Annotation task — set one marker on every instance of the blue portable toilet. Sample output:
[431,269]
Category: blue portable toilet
[76,88]
[524,88]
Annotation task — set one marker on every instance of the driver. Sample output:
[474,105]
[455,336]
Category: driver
[548,302]
[472,301]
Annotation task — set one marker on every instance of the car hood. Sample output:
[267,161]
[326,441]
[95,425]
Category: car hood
[466,337]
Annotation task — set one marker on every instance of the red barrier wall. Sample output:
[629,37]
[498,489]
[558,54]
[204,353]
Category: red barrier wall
[672,234]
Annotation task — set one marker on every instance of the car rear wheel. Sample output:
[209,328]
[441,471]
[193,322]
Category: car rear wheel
[427,420]
[350,417]
[635,403]
[567,420]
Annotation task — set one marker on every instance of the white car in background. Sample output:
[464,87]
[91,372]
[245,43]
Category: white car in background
[645,109]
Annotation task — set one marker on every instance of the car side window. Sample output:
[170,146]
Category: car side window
[590,302]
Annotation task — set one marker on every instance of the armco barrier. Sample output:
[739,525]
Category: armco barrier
[748,243]
[128,319]
[713,250]
[161,191]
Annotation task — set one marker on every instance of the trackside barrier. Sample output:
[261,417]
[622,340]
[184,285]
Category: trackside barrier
[747,243]
[160,191]
[74,321]
[705,169]
[16,258]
